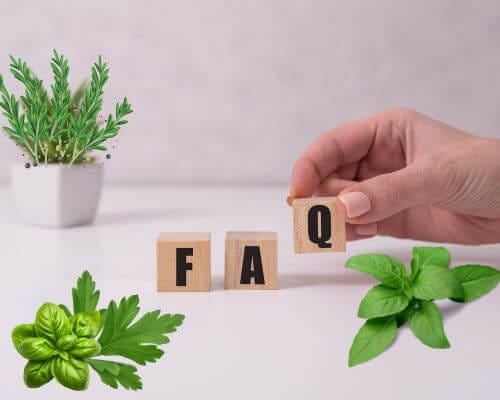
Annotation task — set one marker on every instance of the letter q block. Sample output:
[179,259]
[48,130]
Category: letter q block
[316,227]
[183,262]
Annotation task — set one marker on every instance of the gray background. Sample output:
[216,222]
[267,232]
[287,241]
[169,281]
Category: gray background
[232,91]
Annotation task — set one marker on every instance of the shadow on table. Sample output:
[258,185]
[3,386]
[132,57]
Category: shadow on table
[290,281]
[450,309]
[136,216]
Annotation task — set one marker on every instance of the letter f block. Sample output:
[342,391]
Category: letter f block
[183,262]
[316,227]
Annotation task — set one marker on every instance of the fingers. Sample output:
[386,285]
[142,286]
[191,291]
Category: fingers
[357,232]
[341,146]
[378,198]
[332,186]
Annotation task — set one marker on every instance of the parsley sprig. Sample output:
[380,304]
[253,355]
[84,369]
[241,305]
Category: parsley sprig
[403,297]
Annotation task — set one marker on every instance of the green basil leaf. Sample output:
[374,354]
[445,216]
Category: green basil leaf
[37,349]
[373,338]
[85,348]
[72,373]
[37,373]
[66,342]
[51,322]
[427,325]
[477,280]
[65,309]
[388,270]
[86,324]
[22,332]
[381,301]
[404,316]
[434,282]
[425,256]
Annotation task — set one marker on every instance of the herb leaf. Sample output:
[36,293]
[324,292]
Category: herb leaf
[388,270]
[427,325]
[85,297]
[373,338]
[477,280]
[72,373]
[22,332]
[138,341]
[424,256]
[114,373]
[51,322]
[37,349]
[381,301]
[433,282]
[86,324]
[85,348]
[404,316]
[37,373]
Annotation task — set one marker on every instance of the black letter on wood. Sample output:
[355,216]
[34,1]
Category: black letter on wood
[252,256]
[182,265]
[316,214]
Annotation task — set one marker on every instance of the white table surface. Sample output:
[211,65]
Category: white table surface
[286,344]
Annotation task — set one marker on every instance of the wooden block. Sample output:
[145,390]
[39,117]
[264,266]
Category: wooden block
[251,260]
[183,262]
[316,228]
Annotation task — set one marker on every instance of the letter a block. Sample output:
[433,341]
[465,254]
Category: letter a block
[316,228]
[251,260]
[183,262]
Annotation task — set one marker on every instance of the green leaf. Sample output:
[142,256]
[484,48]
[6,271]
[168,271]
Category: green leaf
[72,373]
[66,342]
[51,322]
[477,280]
[65,309]
[381,301]
[373,338]
[85,348]
[22,332]
[37,349]
[85,297]
[434,282]
[137,341]
[86,324]
[37,373]
[388,270]
[404,316]
[424,256]
[113,373]
[427,325]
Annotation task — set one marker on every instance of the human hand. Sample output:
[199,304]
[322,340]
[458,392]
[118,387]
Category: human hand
[402,174]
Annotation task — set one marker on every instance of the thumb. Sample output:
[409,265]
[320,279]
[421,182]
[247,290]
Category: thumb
[382,196]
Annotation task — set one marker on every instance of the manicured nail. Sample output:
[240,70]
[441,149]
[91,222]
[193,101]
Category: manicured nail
[356,203]
[366,229]
[289,196]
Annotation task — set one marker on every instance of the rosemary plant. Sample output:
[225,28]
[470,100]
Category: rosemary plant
[60,128]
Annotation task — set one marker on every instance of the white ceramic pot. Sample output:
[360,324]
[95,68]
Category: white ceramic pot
[57,195]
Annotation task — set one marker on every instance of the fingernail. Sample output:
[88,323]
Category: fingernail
[356,203]
[366,229]
[289,196]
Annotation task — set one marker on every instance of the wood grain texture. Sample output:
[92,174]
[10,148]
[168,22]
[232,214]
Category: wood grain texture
[234,254]
[198,278]
[302,241]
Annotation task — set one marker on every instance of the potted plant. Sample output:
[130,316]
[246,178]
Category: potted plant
[60,185]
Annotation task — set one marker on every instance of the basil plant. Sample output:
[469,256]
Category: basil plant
[57,345]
